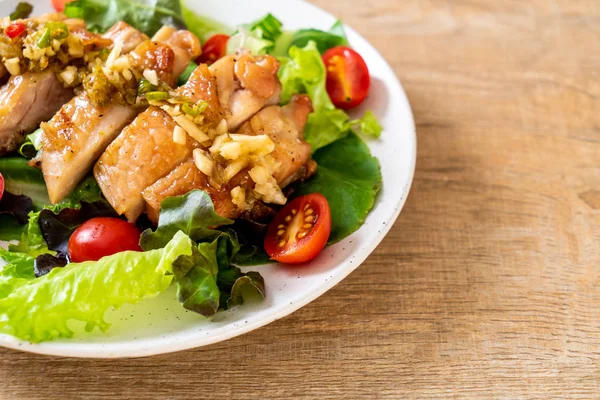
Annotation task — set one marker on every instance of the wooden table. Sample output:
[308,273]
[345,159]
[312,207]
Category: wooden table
[488,286]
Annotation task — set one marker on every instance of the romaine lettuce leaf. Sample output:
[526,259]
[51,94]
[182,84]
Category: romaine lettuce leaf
[39,310]
[350,178]
[146,15]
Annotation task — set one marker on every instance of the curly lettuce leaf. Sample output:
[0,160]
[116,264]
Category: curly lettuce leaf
[32,144]
[16,271]
[40,309]
[146,15]
[304,72]
[350,178]
[207,280]
[193,214]
[196,279]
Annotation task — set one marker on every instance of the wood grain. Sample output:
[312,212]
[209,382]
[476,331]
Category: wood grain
[488,286]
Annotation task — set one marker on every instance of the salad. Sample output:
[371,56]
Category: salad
[143,146]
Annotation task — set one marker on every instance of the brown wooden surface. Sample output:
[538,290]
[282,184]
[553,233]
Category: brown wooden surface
[488,286]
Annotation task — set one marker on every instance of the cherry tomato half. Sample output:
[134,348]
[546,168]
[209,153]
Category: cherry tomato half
[300,231]
[1,186]
[15,29]
[101,237]
[59,5]
[348,79]
[213,49]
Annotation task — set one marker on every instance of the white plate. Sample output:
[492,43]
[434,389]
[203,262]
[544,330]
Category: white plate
[161,325]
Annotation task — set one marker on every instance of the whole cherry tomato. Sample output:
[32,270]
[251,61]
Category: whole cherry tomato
[348,79]
[213,49]
[100,237]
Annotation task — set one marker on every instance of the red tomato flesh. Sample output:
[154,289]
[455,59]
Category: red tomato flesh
[1,186]
[300,231]
[348,79]
[100,237]
[14,30]
[59,5]
[213,49]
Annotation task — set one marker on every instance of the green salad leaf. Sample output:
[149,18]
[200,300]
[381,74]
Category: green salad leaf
[10,229]
[201,26]
[324,40]
[196,278]
[32,144]
[17,271]
[21,179]
[206,281]
[38,310]
[193,214]
[367,125]
[350,178]
[146,15]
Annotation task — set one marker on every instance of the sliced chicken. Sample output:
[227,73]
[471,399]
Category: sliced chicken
[245,85]
[33,97]
[284,126]
[187,177]
[145,151]
[25,101]
[80,132]
[234,88]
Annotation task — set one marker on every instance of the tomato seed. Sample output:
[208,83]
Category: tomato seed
[288,218]
[280,226]
[309,211]
[294,211]
[310,218]
[307,226]
[282,243]
[280,232]
[302,235]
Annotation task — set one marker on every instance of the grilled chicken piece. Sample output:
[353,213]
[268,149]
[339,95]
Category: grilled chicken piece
[25,101]
[185,178]
[234,88]
[33,97]
[80,132]
[284,126]
[145,151]
[245,85]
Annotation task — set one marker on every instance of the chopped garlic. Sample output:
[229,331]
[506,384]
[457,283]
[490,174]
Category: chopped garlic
[222,128]
[114,54]
[12,65]
[234,168]
[203,162]
[191,128]
[127,74]
[68,75]
[231,151]
[179,135]
[121,63]
[151,76]
[238,197]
